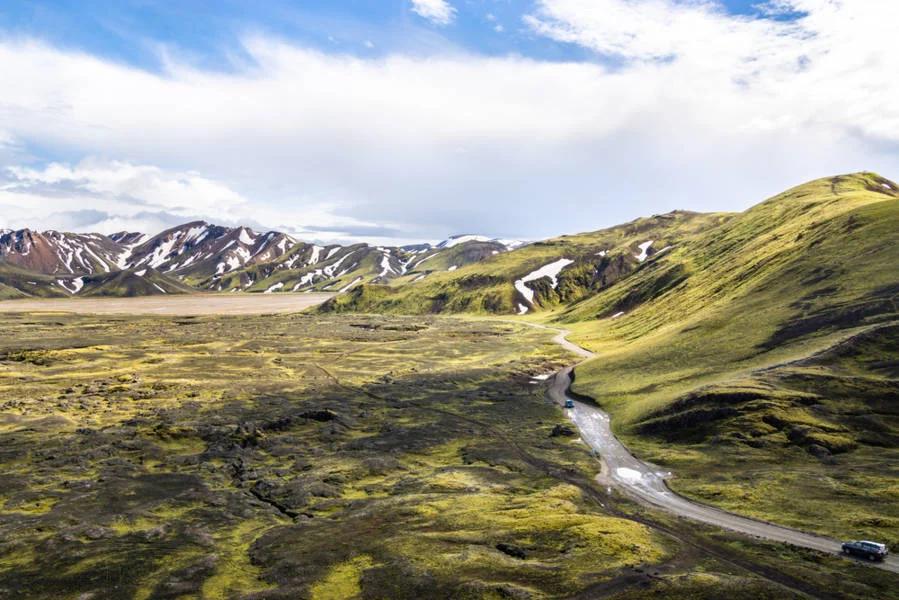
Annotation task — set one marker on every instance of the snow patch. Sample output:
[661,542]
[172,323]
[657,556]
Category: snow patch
[420,277]
[628,475]
[385,265]
[347,287]
[141,273]
[274,288]
[100,260]
[332,252]
[158,288]
[307,279]
[194,233]
[511,244]
[602,253]
[543,377]
[551,270]
[233,262]
[644,247]
[77,284]
[461,239]
[244,237]
[316,252]
[329,270]
[522,309]
[162,251]
[423,260]
[453,268]
[616,315]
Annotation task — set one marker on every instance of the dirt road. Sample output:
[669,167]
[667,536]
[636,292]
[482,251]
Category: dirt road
[191,304]
[645,483]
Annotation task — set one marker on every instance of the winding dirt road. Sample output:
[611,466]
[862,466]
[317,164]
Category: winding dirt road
[645,483]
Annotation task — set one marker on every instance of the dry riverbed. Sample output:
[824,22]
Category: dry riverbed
[194,304]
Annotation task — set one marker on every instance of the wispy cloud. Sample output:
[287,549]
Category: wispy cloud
[439,12]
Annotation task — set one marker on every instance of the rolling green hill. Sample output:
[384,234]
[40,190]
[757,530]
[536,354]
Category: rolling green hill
[759,360]
[755,354]
[16,282]
[599,259]
[131,283]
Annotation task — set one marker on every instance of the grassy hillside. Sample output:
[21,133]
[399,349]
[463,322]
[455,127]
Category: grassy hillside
[751,353]
[17,282]
[759,361]
[132,283]
[487,287]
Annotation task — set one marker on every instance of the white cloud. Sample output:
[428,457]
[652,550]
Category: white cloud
[830,66]
[140,184]
[439,12]
[110,196]
[706,112]
[498,28]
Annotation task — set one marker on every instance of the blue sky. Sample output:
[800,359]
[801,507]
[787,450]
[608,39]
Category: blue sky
[130,30]
[402,120]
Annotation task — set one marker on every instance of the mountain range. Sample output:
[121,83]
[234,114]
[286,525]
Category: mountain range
[198,256]
[606,273]
[754,354]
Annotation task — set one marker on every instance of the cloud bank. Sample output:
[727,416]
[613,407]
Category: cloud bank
[690,107]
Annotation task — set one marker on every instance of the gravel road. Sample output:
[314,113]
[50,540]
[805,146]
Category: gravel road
[646,483]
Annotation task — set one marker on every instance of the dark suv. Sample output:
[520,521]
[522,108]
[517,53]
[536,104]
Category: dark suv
[869,550]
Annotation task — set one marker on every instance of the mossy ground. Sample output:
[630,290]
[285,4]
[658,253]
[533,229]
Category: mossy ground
[286,456]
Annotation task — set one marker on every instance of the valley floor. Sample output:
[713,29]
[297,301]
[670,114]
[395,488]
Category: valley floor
[189,304]
[295,456]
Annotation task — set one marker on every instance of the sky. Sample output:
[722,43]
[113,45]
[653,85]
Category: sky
[394,121]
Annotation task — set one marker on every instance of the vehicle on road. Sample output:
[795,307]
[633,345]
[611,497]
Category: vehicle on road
[865,549]
[569,403]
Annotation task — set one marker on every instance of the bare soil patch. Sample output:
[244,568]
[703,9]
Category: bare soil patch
[195,304]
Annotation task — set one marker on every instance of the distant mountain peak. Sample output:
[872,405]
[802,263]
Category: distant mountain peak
[216,257]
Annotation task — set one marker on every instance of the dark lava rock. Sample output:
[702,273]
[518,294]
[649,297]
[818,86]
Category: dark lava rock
[513,551]
[563,431]
[320,415]
[187,581]
[818,451]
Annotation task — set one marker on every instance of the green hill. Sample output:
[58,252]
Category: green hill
[759,360]
[131,283]
[599,259]
[755,354]
[18,282]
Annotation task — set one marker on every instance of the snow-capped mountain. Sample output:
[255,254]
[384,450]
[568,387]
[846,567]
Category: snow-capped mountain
[53,252]
[200,249]
[212,257]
